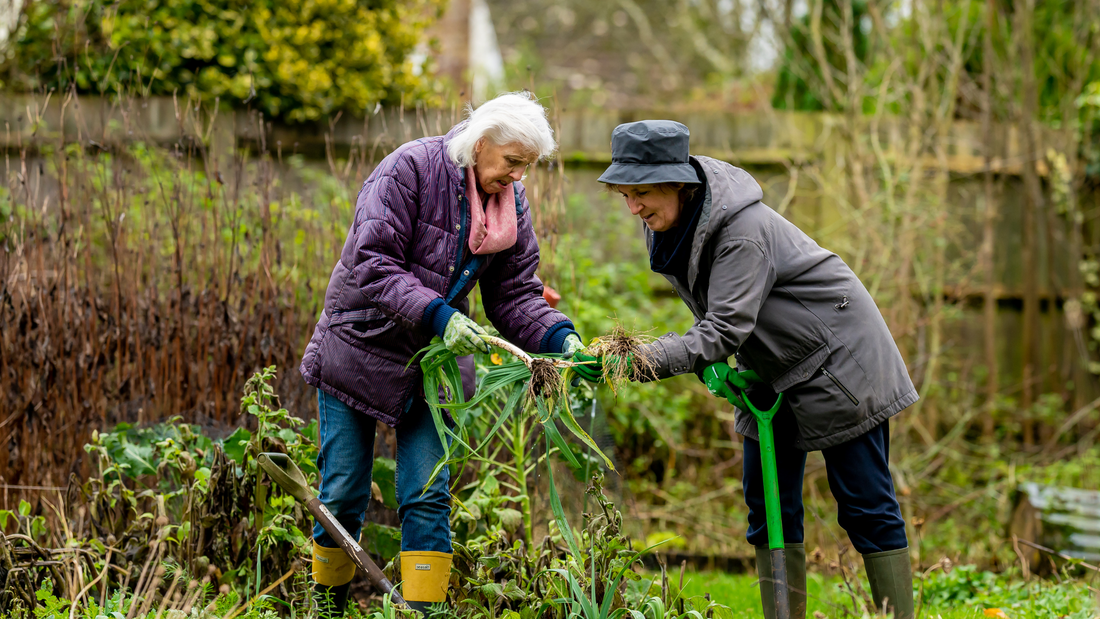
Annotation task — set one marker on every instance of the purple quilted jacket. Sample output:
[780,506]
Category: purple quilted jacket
[402,253]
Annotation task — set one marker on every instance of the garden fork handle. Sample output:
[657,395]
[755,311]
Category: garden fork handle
[290,478]
[772,508]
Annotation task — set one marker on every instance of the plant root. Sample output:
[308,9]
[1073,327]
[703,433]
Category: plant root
[623,344]
[546,381]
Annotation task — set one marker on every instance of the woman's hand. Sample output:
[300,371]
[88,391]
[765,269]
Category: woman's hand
[592,370]
[464,336]
[572,345]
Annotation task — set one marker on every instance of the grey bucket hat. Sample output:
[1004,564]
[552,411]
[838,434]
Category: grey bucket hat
[649,152]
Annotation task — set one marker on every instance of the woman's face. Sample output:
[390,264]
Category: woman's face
[657,205]
[498,166]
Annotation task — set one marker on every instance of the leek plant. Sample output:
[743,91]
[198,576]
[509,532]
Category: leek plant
[525,394]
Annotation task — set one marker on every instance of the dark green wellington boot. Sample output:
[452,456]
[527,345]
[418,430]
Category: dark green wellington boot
[796,580]
[891,576]
[331,601]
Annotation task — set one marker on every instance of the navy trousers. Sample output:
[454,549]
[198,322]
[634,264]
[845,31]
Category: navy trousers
[859,477]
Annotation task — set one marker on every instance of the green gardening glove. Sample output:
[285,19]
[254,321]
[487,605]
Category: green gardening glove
[715,377]
[592,370]
[719,377]
[464,336]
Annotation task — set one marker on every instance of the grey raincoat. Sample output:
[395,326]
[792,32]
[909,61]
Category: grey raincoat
[763,290]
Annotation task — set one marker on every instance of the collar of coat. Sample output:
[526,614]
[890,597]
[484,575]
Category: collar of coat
[456,175]
[729,190]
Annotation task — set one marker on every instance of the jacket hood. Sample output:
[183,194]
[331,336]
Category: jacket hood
[729,190]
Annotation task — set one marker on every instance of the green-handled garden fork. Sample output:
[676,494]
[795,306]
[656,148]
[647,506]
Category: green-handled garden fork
[722,374]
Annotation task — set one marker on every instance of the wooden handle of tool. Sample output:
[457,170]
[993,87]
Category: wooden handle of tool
[352,548]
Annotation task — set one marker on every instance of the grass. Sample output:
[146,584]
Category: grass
[965,593]
[740,592]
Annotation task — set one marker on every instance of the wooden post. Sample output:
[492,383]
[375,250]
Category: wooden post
[989,223]
[1032,204]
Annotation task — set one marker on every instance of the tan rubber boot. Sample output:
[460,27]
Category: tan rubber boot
[332,574]
[424,578]
[891,577]
[796,580]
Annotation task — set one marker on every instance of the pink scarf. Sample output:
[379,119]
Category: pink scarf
[493,225]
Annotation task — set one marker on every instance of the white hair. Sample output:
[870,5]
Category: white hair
[511,117]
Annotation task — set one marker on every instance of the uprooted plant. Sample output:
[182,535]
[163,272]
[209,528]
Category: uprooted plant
[533,381]
[576,573]
[627,357]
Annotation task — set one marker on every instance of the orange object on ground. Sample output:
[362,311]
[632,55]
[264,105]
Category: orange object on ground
[552,296]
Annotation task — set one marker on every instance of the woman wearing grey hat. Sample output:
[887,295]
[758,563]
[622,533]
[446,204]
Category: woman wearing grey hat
[762,290]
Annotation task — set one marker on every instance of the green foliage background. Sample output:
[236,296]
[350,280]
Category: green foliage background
[297,60]
[800,82]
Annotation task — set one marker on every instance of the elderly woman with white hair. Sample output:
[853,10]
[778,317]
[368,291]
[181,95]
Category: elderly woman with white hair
[436,217]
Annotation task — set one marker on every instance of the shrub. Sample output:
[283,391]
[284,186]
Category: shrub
[295,59]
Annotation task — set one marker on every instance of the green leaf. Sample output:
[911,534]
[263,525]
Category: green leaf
[431,397]
[500,377]
[381,540]
[510,519]
[566,415]
[551,430]
[492,590]
[235,445]
[38,527]
[511,405]
[312,431]
[138,458]
[559,513]
[384,474]
[514,593]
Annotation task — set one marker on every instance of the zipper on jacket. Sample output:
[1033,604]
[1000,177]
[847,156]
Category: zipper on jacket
[839,385]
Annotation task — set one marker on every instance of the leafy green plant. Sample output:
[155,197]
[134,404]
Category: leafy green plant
[294,60]
[171,511]
[524,382]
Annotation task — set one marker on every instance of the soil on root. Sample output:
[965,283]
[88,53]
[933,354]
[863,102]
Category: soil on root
[622,344]
[546,381]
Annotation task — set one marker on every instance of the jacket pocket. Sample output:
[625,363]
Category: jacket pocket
[361,323]
[839,385]
[802,370]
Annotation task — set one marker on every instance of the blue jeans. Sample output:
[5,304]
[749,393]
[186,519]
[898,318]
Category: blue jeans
[347,457]
[859,477]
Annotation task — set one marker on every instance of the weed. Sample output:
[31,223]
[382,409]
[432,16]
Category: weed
[621,345]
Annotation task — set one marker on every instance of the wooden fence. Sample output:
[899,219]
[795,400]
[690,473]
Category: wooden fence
[771,144]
